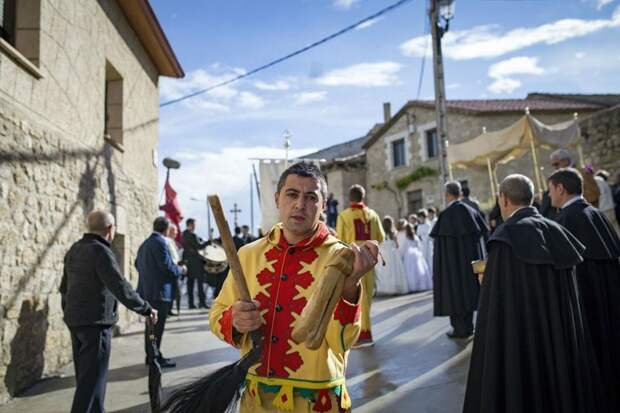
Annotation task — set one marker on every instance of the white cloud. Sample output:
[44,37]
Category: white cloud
[368,23]
[310,97]
[278,85]
[580,55]
[345,4]
[221,100]
[251,101]
[363,74]
[489,41]
[602,3]
[503,73]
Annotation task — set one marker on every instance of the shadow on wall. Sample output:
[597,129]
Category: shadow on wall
[27,346]
[26,364]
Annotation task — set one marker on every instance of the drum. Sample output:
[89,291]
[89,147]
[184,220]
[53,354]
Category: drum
[215,259]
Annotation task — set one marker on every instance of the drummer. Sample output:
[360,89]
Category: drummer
[216,266]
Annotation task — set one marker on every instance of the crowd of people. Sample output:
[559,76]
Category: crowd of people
[546,338]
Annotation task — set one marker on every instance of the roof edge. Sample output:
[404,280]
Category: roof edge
[144,22]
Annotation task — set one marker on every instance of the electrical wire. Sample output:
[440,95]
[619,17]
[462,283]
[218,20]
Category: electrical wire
[290,55]
[423,62]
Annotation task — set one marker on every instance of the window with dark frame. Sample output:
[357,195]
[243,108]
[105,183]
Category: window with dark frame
[398,153]
[113,106]
[432,147]
[7,20]
[414,201]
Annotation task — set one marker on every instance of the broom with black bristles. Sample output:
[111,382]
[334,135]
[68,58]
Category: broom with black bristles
[220,391]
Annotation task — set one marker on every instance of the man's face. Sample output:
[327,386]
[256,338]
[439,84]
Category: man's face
[556,193]
[245,230]
[191,226]
[431,215]
[172,231]
[300,204]
[559,163]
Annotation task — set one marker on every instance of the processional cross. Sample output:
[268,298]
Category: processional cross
[235,211]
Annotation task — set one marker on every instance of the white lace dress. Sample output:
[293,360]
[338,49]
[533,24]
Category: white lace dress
[390,279]
[419,278]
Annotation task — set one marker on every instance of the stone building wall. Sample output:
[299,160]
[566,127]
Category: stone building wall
[601,133]
[341,178]
[55,167]
[461,127]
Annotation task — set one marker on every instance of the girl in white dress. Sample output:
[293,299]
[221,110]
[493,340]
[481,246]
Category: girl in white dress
[390,279]
[418,275]
[424,232]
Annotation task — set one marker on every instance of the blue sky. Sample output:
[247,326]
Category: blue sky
[334,93]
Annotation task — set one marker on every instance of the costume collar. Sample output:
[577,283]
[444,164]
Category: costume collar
[357,205]
[320,236]
[97,237]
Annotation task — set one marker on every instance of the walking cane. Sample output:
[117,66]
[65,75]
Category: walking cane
[220,391]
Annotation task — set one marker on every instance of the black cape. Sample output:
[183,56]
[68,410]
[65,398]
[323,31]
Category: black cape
[531,352]
[457,234]
[598,278]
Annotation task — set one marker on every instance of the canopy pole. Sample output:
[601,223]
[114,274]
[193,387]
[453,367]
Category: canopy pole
[579,147]
[491,180]
[535,160]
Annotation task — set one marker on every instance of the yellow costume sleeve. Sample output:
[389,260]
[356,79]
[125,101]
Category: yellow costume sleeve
[220,315]
[376,229]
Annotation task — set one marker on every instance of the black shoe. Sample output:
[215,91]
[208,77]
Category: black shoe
[172,313]
[454,335]
[166,363]
[192,307]
[205,305]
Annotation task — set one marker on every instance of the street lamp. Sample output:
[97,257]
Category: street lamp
[206,201]
[287,144]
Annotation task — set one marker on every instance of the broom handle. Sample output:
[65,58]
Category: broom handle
[229,248]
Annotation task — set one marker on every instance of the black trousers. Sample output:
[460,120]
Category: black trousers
[199,279]
[91,358]
[463,324]
[162,307]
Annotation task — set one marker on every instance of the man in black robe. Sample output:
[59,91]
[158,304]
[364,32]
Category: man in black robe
[458,240]
[531,351]
[192,243]
[598,276]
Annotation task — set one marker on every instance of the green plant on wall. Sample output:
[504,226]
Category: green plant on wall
[419,173]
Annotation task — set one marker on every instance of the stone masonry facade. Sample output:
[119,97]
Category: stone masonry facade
[390,200]
[601,132]
[56,166]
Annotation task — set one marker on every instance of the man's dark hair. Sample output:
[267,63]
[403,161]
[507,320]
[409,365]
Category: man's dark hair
[570,178]
[518,188]
[465,191]
[161,225]
[246,227]
[357,193]
[237,230]
[307,170]
[190,221]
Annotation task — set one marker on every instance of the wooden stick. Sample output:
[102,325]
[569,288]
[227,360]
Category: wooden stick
[229,248]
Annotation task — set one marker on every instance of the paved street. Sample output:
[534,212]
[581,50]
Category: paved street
[413,367]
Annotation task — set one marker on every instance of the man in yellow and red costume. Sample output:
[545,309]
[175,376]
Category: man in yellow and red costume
[356,225]
[282,270]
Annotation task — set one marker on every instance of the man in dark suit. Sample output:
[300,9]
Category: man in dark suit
[91,285]
[158,274]
[195,263]
[246,236]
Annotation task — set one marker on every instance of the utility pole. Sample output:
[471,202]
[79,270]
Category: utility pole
[437,32]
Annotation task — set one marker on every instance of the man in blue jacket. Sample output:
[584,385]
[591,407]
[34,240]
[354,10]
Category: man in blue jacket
[158,273]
